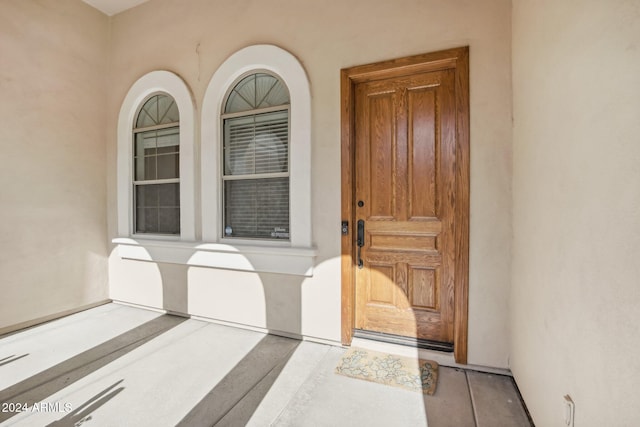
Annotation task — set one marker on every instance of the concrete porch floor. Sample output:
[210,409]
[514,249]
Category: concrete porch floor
[116,365]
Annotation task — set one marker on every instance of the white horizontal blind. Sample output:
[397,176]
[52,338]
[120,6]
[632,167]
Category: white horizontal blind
[256,175]
[257,208]
[257,144]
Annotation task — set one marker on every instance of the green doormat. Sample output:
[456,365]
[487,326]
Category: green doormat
[405,372]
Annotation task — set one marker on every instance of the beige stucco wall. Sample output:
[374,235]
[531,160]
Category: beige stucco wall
[576,276]
[53,251]
[192,38]
[570,325]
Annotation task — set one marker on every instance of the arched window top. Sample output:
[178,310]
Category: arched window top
[255,91]
[160,109]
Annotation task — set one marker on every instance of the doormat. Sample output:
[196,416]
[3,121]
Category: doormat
[383,368]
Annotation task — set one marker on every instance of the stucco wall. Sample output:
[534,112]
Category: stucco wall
[192,38]
[576,275]
[53,251]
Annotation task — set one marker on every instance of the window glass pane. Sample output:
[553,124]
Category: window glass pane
[144,120]
[246,90]
[158,208]
[257,208]
[147,196]
[149,170]
[257,144]
[145,144]
[169,221]
[156,154]
[258,90]
[270,91]
[168,195]
[168,140]
[158,110]
[167,110]
[236,103]
[168,166]
[146,220]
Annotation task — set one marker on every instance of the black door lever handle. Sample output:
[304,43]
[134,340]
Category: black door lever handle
[360,241]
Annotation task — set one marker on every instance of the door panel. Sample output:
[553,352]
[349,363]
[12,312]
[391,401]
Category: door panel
[381,191]
[405,171]
[422,152]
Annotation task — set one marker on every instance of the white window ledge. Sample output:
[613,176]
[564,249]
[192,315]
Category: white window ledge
[253,258]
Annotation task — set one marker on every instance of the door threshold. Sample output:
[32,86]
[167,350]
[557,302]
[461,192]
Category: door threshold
[405,341]
[443,358]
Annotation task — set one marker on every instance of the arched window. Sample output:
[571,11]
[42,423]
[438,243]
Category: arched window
[156,160]
[263,83]
[262,90]
[255,151]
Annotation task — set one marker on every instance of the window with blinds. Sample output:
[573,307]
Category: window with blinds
[256,159]
[156,159]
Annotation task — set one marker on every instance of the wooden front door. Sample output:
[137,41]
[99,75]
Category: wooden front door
[409,206]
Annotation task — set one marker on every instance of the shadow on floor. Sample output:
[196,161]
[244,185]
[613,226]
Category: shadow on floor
[11,359]
[83,413]
[48,382]
[236,397]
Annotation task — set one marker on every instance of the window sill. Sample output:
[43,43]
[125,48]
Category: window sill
[241,257]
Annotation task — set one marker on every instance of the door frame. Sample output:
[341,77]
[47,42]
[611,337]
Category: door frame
[456,59]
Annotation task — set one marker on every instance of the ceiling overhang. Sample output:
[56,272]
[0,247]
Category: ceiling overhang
[112,7]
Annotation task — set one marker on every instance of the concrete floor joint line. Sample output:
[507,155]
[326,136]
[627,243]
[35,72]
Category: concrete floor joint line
[473,400]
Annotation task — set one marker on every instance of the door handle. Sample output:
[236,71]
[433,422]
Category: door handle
[360,241]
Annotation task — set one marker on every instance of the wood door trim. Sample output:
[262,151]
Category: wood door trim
[458,60]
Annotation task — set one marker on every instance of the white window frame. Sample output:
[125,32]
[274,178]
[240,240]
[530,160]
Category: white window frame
[288,68]
[297,256]
[150,84]
[252,113]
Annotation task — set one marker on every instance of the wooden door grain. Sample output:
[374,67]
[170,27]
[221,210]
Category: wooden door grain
[405,165]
